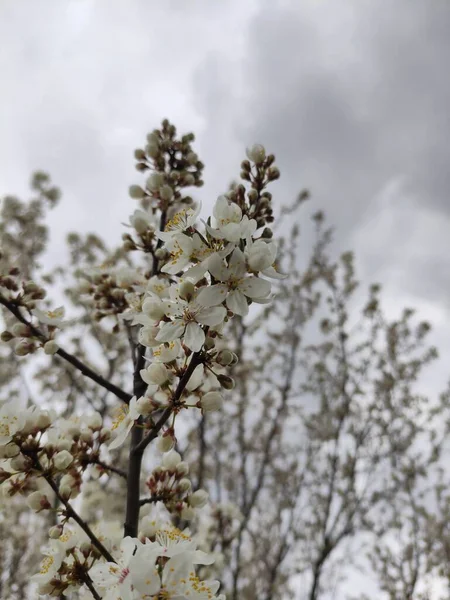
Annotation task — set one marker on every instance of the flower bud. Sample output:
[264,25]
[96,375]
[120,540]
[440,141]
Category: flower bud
[198,499]
[184,485]
[186,290]
[187,513]
[51,347]
[154,308]
[86,435]
[156,373]
[148,527]
[62,460]
[19,462]
[182,468]
[224,358]
[226,382]
[136,192]
[94,421]
[43,420]
[6,336]
[23,348]
[171,460]
[65,491]
[38,501]
[273,173]
[211,402]
[145,405]
[256,153]
[10,450]
[165,443]
[155,181]
[20,330]
[166,193]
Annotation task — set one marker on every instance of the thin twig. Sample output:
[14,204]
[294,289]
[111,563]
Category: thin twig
[70,358]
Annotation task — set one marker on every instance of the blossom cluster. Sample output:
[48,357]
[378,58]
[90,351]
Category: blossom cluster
[197,279]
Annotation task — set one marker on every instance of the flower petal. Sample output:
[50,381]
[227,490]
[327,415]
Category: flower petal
[194,337]
[254,287]
[170,331]
[237,303]
[211,316]
[212,295]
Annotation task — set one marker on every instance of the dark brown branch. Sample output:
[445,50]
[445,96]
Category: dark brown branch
[70,358]
[71,513]
[152,500]
[107,467]
[88,581]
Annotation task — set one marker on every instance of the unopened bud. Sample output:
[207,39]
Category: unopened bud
[55,532]
[211,402]
[38,501]
[256,153]
[186,290]
[136,192]
[198,499]
[187,513]
[23,348]
[273,173]
[226,382]
[51,347]
[6,336]
[171,460]
[20,330]
[182,468]
[184,485]
[165,443]
[224,358]
[62,460]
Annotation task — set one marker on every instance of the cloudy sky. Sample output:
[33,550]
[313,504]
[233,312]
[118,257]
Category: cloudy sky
[351,96]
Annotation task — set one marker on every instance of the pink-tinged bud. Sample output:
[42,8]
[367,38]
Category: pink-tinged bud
[198,499]
[38,501]
[20,330]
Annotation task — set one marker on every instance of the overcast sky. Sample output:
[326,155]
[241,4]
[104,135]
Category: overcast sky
[351,95]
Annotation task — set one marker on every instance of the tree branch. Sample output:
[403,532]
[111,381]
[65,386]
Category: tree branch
[70,358]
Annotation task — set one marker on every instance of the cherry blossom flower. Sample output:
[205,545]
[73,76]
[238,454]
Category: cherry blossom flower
[12,420]
[123,422]
[115,577]
[230,224]
[54,318]
[235,286]
[187,321]
[179,223]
